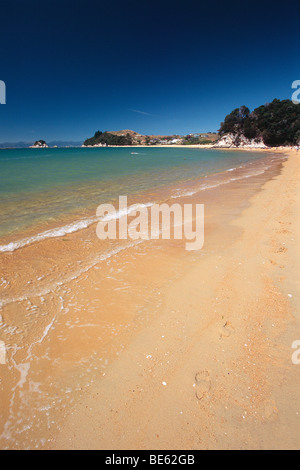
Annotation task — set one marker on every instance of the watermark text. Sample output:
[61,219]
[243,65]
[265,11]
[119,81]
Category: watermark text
[2,92]
[296,94]
[152,222]
[2,353]
[296,354]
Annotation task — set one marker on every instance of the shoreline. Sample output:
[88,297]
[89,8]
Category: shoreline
[198,146]
[105,341]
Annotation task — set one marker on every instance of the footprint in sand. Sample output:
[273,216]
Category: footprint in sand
[269,411]
[203,384]
[226,330]
[282,249]
[273,262]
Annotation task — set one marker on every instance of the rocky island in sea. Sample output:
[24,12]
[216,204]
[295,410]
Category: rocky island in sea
[40,144]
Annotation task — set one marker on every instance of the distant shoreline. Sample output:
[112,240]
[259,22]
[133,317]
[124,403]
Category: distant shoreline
[199,146]
[195,146]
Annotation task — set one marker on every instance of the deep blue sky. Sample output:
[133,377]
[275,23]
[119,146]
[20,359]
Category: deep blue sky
[161,67]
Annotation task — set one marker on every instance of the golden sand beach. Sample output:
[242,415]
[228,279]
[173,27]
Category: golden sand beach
[161,348]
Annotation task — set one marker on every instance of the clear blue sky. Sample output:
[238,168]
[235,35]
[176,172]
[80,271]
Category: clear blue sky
[157,67]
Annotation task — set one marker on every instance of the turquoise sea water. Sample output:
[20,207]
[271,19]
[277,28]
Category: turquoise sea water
[40,186]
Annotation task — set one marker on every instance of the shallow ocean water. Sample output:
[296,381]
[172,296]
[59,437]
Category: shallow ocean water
[42,188]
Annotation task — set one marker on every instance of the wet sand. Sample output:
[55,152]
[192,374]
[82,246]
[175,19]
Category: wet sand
[154,347]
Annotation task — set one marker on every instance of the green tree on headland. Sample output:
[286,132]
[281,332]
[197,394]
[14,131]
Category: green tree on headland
[105,138]
[277,123]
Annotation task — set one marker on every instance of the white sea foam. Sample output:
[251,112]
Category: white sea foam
[127,211]
[52,286]
[54,233]
[184,194]
[71,228]
[205,187]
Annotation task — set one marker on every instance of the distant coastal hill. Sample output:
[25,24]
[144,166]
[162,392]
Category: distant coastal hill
[102,139]
[271,125]
[129,137]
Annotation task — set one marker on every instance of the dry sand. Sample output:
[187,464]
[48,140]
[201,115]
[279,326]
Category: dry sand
[160,348]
